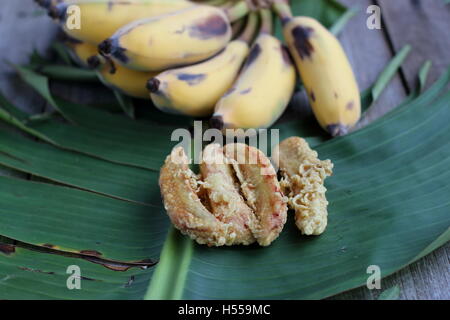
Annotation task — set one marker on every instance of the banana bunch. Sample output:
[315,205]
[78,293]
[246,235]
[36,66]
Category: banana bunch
[194,90]
[185,57]
[264,87]
[325,71]
[183,37]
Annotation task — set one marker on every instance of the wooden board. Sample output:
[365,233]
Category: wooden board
[425,24]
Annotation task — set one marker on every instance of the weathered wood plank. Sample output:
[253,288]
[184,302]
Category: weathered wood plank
[369,53]
[425,279]
[423,24]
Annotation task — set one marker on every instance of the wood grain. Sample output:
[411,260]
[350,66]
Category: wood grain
[369,54]
[426,26]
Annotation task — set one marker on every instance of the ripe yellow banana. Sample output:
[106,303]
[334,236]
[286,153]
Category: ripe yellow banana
[179,38]
[81,51]
[101,18]
[194,90]
[326,73]
[129,82]
[264,87]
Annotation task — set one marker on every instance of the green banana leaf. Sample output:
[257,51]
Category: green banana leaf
[388,205]
[71,220]
[26,274]
[75,169]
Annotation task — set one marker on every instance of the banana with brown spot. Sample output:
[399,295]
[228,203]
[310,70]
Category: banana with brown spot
[99,19]
[194,90]
[226,202]
[176,39]
[303,182]
[261,190]
[264,87]
[325,71]
[186,211]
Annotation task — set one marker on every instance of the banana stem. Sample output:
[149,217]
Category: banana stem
[237,11]
[283,10]
[250,29]
[266,21]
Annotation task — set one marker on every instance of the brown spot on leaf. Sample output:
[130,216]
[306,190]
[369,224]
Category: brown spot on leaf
[111,265]
[35,270]
[336,95]
[7,248]
[313,96]
[91,253]
[116,268]
[302,44]
[212,26]
[48,245]
[122,267]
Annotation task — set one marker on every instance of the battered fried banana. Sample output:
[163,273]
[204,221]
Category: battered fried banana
[261,189]
[303,181]
[225,201]
[179,189]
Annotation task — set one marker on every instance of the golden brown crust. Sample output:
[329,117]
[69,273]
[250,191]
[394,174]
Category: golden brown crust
[303,181]
[211,208]
[179,188]
[225,201]
[261,189]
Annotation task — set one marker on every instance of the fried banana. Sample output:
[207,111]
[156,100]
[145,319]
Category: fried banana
[303,182]
[261,189]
